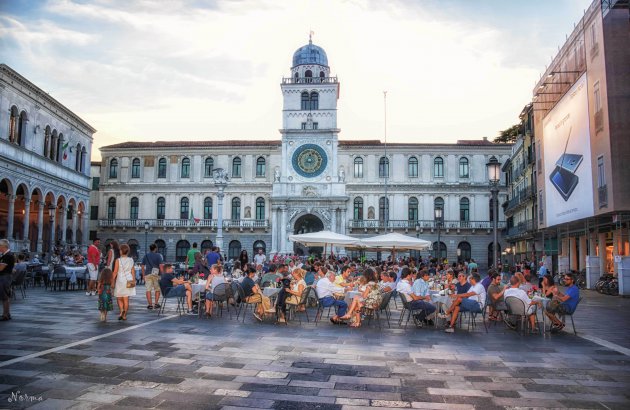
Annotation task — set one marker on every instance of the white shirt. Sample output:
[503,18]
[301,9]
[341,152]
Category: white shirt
[259,259]
[519,293]
[326,288]
[405,288]
[480,294]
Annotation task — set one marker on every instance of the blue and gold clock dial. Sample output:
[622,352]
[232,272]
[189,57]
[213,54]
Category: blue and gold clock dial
[309,160]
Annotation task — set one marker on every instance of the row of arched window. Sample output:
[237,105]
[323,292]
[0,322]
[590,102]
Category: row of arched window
[310,101]
[185,170]
[184,208]
[412,208]
[54,142]
[412,167]
[308,76]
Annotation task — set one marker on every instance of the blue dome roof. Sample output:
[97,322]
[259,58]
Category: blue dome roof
[310,54]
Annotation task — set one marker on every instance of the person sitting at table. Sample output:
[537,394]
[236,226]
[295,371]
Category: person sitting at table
[388,282]
[548,286]
[309,277]
[326,291]
[343,280]
[523,284]
[369,297]
[495,296]
[290,295]
[563,303]
[78,258]
[175,287]
[236,270]
[200,267]
[462,285]
[420,289]
[473,300]
[253,294]
[215,279]
[416,302]
[530,306]
[270,278]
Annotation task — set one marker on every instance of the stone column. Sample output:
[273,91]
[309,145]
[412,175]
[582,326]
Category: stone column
[283,231]
[74,226]
[40,226]
[85,230]
[274,230]
[27,221]
[573,259]
[582,259]
[601,242]
[53,228]
[617,250]
[10,215]
[344,221]
[333,220]
[64,224]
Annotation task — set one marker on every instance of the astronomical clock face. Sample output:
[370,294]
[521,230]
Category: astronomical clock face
[309,160]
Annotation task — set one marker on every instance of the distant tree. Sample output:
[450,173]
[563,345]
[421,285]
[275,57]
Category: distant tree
[509,135]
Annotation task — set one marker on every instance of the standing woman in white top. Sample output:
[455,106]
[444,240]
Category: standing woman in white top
[123,268]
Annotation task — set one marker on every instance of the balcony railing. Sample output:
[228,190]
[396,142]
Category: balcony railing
[420,225]
[183,223]
[519,197]
[309,80]
[522,227]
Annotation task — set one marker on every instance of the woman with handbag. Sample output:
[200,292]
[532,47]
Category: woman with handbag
[124,281]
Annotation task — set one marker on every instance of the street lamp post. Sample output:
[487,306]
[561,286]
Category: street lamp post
[494,175]
[220,181]
[438,223]
[146,234]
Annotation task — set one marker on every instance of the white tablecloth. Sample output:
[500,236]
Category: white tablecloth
[269,292]
[197,288]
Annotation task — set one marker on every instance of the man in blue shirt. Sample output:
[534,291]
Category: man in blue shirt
[420,289]
[542,271]
[568,302]
[213,256]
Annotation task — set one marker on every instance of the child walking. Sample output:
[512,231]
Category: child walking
[105,303]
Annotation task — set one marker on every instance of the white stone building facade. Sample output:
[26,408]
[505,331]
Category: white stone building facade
[306,181]
[44,167]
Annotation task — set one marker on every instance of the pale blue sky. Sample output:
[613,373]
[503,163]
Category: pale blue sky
[210,69]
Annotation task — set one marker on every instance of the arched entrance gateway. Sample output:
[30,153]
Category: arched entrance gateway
[306,224]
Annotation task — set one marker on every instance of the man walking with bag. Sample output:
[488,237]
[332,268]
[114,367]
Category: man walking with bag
[152,265]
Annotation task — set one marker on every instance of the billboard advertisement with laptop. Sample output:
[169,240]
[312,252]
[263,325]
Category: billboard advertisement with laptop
[567,158]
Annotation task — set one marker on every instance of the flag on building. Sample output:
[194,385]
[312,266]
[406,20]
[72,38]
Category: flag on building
[65,149]
[192,217]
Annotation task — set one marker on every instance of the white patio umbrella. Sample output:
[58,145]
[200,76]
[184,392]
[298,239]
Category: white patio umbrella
[395,242]
[324,238]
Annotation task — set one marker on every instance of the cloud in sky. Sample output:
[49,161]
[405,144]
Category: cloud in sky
[149,70]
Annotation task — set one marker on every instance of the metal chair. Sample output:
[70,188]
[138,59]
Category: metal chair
[517,308]
[222,293]
[406,307]
[18,282]
[238,290]
[58,277]
[293,309]
[562,317]
[181,303]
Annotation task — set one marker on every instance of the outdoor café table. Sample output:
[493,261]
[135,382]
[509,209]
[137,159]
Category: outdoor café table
[270,292]
[544,301]
[440,301]
[197,288]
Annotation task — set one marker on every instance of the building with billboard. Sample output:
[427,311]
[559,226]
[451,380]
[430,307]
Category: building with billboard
[581,106]
[308,180]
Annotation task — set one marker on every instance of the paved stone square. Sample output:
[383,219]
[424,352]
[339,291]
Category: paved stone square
[56,354]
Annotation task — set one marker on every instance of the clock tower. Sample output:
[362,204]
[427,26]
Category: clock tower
[309,185]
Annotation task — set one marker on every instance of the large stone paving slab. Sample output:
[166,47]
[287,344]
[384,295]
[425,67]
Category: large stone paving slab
[56,354]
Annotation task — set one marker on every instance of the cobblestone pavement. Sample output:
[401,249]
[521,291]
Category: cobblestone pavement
[56,354]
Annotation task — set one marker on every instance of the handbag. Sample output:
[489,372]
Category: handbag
[131,282]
